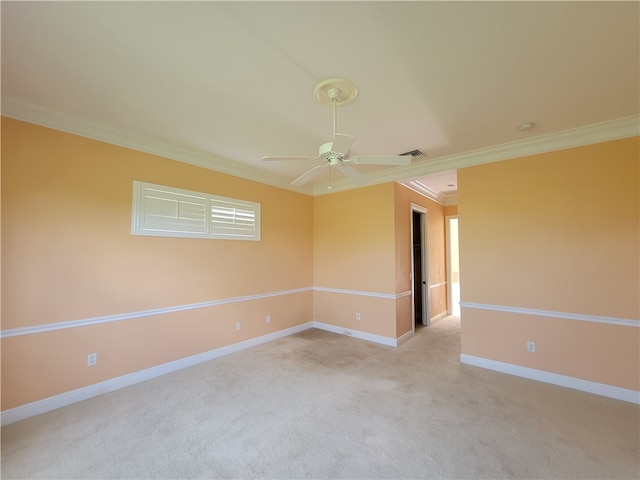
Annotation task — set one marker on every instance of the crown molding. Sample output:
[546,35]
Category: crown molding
[448,198]
[575,137]
[419,187]
[451,199]
[30,113]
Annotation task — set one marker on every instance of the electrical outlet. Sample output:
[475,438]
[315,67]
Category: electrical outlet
[531,347]
[238,325]
[92,359]
[358,316]
[268,318]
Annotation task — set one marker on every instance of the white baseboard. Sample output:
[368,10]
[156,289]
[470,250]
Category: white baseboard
[58,401]
[403,338]
[390,342]
[556,379]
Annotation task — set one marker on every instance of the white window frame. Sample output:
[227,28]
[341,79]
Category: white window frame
[191,214]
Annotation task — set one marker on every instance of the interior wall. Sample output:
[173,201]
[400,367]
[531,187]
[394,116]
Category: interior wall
[353,259]
[450,210]
[362,259]
[404,197]
[549,253]
[68,256]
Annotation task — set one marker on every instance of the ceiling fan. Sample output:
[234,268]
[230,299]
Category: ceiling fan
[339,91]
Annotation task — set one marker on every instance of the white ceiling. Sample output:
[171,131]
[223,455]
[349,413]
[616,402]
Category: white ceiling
[221,84]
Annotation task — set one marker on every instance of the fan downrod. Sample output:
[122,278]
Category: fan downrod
[334,92]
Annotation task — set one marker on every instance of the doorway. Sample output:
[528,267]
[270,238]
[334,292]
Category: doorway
[453,267]
[419,266]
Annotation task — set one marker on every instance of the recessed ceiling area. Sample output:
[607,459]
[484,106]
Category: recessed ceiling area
[223,84]
[441,186]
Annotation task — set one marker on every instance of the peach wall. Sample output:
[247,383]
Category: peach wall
[450,210]
[68,255]
[591,351]
[362,243]
[67,242]
[354,256]
[556,232]
[354,239]
[54,362]
[404,315]
[377,314]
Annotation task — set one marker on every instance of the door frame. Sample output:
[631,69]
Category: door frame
[424,217]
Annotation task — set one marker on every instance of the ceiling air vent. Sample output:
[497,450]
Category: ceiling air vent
[413,154]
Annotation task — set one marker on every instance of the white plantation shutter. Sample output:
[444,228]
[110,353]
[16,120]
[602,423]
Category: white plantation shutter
[172,212]
[230,218]
[169,212]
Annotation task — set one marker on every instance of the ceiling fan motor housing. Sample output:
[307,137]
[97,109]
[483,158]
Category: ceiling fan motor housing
[325,153]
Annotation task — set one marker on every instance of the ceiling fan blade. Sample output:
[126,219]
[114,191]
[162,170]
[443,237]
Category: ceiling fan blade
[305,177]
[381,160]
[354,175]
[272,159]
[341,143]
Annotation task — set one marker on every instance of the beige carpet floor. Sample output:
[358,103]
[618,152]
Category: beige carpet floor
[321,405]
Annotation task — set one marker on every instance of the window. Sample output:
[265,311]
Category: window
[172,212]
